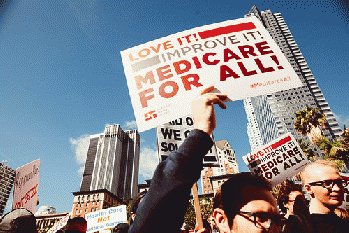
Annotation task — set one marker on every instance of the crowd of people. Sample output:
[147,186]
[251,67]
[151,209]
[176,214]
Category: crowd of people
[244,203]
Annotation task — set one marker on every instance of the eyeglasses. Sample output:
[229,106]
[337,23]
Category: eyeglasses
[264,220]
[329,183]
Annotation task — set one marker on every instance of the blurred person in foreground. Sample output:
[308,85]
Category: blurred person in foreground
[121,228]
[164,206]
[326,190]
[18,221]
[291,201]
[76,225]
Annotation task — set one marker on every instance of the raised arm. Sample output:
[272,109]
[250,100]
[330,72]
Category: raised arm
[164,206]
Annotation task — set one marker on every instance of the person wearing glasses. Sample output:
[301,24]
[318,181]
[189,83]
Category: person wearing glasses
[292,202]
[244,203]
[326,189]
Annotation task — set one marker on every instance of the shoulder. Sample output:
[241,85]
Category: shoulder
[328,223]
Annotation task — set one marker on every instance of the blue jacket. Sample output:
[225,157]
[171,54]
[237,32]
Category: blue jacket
[164,206]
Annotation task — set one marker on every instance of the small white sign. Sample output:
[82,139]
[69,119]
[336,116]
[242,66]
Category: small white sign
[280,159]
[238,57]
[105,218]
[171,136]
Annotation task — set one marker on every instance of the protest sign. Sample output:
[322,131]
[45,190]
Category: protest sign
[238,56]
[280,159]
[60,224]
[105,218]
[25,191]
[171,135]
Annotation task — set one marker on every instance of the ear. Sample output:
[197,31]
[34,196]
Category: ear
[307,187]
[221,220]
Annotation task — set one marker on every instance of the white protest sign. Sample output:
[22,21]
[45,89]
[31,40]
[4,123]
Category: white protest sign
[280,159]
[171,135]
[60,224]
[25,191]
[238,56]
[105,218]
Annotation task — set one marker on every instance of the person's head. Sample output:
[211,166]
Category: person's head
[76,224]
[324,185]
[135,203]
[121,228]
[291,200]
[18,221]
[244,203]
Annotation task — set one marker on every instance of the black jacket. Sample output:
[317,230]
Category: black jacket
[164,206]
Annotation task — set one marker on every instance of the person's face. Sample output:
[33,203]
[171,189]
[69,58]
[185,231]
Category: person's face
[329,197]
[259,201]
[295,200]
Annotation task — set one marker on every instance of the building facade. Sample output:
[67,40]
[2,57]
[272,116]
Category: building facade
[227,165]
[91,201]
[45,221]
[112,162]
[7,177]
[275,113]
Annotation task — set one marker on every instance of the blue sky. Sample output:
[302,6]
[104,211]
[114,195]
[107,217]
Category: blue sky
[62,76]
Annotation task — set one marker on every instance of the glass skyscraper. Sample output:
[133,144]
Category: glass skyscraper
[7,177]
[272,115]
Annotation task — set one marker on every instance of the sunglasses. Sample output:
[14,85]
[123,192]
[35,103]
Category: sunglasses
[329,183]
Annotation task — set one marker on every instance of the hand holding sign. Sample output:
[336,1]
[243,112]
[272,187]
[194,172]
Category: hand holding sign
[203,110]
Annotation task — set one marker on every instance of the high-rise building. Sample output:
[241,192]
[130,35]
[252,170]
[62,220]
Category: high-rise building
[227,165]
[7,177]
[112,162]
[274,114]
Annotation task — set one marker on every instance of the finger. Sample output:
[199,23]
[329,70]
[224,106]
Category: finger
[215,99]
[222,97]
[207,90]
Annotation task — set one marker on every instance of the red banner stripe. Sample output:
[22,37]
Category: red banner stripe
[281,142]
[226,30]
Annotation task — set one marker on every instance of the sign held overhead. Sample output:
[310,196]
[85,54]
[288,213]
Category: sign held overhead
[238,57]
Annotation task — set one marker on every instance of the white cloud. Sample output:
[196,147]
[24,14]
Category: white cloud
[148,162]
[81,170]
[130,125]
[342,120]
[80,146]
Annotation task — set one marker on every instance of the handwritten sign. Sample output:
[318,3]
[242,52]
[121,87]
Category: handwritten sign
[278,160]
[60,224]
[25,192]
[105,218]
[171,135]
[238,56]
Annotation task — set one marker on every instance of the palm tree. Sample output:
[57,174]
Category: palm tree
[310,122]
[306,149]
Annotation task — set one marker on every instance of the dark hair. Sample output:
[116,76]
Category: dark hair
[76,223]
[230,194]
[17,221]
[285,188]
[121,228]
[136,200]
